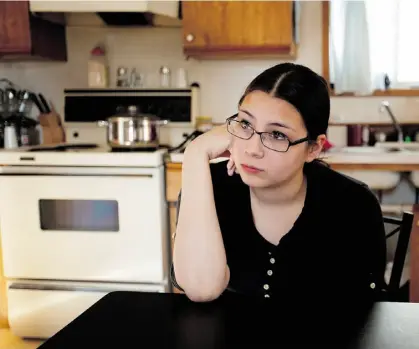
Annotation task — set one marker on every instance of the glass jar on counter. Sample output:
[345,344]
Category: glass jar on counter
[165,76]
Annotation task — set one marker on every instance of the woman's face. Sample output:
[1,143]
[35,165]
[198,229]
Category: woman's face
[259,166]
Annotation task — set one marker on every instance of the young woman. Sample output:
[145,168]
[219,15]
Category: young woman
[274,221]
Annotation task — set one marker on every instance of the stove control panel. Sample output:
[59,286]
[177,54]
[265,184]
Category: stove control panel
[178,106]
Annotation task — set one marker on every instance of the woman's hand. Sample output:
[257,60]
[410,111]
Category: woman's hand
[214,144]
[231,166]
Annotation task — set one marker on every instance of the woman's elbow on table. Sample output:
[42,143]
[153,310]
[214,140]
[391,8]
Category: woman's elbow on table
[205,291]
[202,296]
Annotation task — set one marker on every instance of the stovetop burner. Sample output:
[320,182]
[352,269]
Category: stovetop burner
[63,147]
[138,150]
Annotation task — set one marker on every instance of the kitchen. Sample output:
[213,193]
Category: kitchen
[219,86]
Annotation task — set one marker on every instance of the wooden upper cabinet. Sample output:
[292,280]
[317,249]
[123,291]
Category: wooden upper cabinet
[25,36]
[14,27]
[212,28]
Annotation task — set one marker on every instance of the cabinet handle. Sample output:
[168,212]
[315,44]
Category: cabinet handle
[190,38]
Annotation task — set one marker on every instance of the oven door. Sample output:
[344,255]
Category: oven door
[82,224]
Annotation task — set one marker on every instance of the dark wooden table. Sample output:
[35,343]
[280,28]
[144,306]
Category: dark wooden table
[146,320]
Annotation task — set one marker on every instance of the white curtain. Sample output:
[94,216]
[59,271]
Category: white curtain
[363,39]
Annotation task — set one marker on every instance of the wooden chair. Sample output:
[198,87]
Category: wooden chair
[414,258]
[403,227]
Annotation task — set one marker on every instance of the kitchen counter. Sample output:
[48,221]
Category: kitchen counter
[352,158]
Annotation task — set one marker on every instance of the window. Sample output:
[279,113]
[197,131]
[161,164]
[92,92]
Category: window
[407,60]
[371,39]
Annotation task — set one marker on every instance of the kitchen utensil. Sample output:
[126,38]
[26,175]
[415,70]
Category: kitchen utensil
[2,101]
[10,135]
[24,102]
[10,101]
[28,131]
[10,93]
[44,103]
[35,99]
[133,130]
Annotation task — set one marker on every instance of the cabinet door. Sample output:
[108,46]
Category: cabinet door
[238,26]
[14,27]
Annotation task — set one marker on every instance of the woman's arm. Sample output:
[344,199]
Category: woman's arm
[370,245]
[376,246]
[199,257]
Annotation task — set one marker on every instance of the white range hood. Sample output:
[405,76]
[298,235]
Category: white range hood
[114,12]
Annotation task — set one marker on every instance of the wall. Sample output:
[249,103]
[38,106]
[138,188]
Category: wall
[222,82]
[147,49]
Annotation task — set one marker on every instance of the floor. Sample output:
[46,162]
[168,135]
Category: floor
[10,341]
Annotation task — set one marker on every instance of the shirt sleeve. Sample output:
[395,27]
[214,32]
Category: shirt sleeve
[377,244]
[370,256]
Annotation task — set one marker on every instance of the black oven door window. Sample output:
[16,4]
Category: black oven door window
[79,215]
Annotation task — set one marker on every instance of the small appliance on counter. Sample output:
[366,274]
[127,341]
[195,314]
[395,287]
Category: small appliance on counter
[17,127]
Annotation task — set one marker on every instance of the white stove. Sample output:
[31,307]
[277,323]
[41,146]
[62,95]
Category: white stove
[81,154]
[77,224]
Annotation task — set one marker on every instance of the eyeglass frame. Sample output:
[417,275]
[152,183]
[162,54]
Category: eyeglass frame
[290,143]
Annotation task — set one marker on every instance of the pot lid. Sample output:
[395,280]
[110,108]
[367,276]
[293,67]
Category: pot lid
[132,111]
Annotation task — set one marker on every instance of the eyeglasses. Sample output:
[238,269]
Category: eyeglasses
[275,140]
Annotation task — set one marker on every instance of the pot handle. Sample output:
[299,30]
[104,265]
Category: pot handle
[102,123]
[162,122]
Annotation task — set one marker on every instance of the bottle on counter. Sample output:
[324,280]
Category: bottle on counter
[122,77]
[165,75]
[98,68]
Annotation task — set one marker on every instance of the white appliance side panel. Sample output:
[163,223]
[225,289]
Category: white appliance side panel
[41,313]
[135,253]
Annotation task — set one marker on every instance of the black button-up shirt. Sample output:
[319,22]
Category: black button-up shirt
[336,248]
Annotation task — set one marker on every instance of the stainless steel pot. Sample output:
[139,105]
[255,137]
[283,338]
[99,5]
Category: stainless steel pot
[133,130]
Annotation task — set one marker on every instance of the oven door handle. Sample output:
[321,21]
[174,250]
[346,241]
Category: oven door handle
[74,172]
[42,287]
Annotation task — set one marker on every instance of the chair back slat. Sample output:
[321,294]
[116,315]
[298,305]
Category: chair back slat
[400,253]
[394,290]
[414,258]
